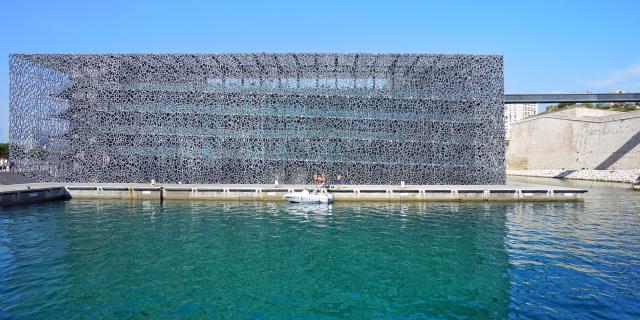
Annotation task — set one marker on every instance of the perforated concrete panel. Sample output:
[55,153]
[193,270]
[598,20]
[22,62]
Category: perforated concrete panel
[255,118]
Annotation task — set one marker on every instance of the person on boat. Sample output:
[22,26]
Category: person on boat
[338,180]
[323,179]
[315,178]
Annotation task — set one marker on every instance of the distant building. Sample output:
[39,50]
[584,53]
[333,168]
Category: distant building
[516,112]
[576,138]
[615,91]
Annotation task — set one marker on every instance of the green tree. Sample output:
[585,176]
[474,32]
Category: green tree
[4,150]
[621,107]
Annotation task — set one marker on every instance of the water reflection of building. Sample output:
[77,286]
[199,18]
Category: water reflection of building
[445,254]
[254,118]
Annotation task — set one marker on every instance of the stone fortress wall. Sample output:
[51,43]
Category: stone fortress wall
[576,139]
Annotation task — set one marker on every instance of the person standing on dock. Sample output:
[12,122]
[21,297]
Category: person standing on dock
[323,179]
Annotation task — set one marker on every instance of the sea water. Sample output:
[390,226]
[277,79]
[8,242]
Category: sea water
[103,259]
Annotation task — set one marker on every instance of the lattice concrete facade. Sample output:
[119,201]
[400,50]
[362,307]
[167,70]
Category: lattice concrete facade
[255,118]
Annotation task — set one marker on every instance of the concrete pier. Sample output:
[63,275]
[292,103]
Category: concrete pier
[31,193]
[409,193]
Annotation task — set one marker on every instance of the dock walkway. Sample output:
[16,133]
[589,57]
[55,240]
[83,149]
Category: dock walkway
[35,192]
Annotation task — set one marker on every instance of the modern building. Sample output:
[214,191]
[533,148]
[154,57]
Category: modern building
[256,118]
[576,138]
[516,112]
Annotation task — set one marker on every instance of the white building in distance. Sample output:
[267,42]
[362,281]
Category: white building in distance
[516,112]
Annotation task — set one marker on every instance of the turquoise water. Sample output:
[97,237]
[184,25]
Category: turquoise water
[234,260]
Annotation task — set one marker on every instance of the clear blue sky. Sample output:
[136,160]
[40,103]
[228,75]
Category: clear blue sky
[548,46]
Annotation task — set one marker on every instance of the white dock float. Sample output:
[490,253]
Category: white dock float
[36,192]
[408,193]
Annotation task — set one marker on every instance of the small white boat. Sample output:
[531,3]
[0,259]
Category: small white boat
[305,196]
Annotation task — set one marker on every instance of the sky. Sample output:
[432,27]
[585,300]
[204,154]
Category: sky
[548,46]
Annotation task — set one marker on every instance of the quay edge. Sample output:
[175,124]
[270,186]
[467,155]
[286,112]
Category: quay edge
[38,192]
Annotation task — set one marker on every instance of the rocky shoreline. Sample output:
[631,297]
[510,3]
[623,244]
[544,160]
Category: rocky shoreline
[627,176]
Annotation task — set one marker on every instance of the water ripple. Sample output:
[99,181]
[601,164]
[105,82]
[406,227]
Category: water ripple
[119,259]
